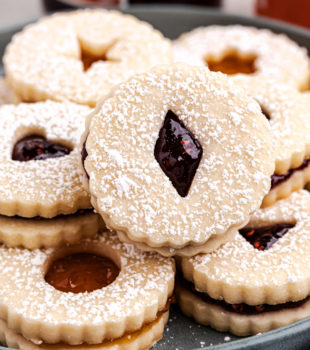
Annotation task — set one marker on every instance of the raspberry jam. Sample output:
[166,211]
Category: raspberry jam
[84,155]
[232,63]
[36,147]
[81,272]
[263,238]
[242,308]
[178,153]
[278,179]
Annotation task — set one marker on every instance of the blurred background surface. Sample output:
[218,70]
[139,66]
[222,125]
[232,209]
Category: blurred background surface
[14,12]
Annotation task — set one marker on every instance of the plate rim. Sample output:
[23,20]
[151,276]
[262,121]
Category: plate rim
[282,333]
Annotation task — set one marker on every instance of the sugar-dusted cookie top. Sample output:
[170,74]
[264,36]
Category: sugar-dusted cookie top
[247,50]
[178,155]
[130,290]
[288,112]
[267,263]
[39,172]
[81,55]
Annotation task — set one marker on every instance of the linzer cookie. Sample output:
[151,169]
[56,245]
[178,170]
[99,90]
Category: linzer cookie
[79,56]
[36,232]
[42,201]
[243,50]
[260,280]
[7,96]
[288,112]
[172,162]
[98,293]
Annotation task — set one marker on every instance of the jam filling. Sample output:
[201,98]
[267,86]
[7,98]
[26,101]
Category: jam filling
[81,272]
[263,238]
[37,218]
[232,63]
[178,153]
[88,60]
[84,155]
[265,113]
[242,308]
[278,179]
[36,147]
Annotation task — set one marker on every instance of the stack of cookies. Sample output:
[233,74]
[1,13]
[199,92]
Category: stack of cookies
[133,151]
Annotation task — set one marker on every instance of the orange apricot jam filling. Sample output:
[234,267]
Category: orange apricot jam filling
[81,272]
[232,63]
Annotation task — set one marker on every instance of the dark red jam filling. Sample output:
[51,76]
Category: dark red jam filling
[278,179]
[178,153]
[84,155]
[244,309]
[79,212]
[81,272]
[36,147]
[262,238]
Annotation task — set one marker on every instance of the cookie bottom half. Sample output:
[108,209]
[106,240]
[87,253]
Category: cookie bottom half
[218,317]
[190,250]
[141,340]
[39,232]
[293,180]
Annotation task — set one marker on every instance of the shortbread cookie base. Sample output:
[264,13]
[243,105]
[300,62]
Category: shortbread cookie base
[217,317]
[7,96]
[288,113]
[212,244]
[294,183]
[44,60]
[275,53]
[140,340]
[38,311]
[239,273]
[48,233]
[132,193]
[49,187]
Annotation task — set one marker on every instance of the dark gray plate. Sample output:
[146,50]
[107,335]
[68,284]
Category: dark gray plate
[182,333]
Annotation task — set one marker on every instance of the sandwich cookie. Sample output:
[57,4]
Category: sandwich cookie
[288,112]
[171,161]
[260,280]
[42,201]
[96,294]
[247,51]
[80,55]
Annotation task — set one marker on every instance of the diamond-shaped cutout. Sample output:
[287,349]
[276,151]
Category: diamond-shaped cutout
[178,153]
[263,238]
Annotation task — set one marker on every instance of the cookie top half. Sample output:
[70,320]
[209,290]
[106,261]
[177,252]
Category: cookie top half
[81,55]
[288,112]
[177,155]
[267,263]
[39,156]
[249,51]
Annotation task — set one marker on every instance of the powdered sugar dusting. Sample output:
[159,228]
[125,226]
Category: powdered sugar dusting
[289,112]
[233,175]
[140,290]
[47,54]
[46,187]
[275,53]
[239,272]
